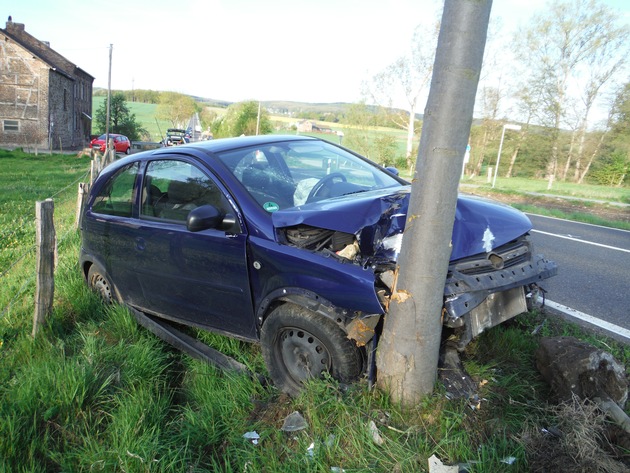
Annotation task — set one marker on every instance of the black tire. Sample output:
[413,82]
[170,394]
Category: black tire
[99,283]
[298,344]
[127,150]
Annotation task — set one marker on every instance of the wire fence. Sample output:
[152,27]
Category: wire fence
[22,267]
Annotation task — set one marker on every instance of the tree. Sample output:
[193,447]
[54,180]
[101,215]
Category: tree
[207,116]
[176,108]
[620,121]
[408,75]
[385,150]
[612,168]
[490,100]
[121,120]
[408,352]
[242,119]
[572,39]
[358,136]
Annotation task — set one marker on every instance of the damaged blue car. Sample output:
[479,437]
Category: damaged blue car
[291,242]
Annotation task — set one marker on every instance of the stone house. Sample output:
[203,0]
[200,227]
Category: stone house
[307,126]
[45,100]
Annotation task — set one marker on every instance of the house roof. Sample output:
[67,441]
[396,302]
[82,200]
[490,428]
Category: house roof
[42,50]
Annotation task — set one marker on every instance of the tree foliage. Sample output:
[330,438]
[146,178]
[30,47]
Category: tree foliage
[620,123]
[176,108]
[242,119]
[614,164]
[138,95]
[385,150]
[572,45]
[408,76]
[207,116]
[121,120]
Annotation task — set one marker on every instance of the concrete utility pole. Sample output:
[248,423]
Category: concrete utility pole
[408,352]
[109,94]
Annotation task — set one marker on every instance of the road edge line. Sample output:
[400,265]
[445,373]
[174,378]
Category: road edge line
[612,328]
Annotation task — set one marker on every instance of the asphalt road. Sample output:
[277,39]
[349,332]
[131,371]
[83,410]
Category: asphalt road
[594,268]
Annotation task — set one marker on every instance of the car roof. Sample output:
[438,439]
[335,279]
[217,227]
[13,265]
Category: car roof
[225,144]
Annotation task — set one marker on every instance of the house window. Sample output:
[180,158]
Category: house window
[65,99]
[11,125]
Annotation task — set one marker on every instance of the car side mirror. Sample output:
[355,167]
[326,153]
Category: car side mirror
[393,170]
[205,217]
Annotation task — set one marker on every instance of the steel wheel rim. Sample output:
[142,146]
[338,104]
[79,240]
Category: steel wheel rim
[100,285]
[303,354]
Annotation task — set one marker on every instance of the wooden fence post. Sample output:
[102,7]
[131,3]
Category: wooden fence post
[83,191]
[46,242]
[95,168]
[92,171]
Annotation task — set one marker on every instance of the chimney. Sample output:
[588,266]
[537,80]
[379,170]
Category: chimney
[13,27]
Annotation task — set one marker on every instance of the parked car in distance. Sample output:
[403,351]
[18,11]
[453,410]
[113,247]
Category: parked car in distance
[121,143]
[175,137]
[290,242]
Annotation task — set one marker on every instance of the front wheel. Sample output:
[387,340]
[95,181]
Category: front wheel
[298,344]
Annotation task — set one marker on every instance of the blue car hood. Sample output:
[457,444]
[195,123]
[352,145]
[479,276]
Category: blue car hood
[480,224]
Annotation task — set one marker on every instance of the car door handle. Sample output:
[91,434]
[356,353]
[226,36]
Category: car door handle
[140,243]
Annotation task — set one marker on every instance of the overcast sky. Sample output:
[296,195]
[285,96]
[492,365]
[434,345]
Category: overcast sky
[311,51]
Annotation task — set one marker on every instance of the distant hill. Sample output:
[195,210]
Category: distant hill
[280,107]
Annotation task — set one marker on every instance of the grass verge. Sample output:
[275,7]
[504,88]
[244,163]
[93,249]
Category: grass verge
[96,392]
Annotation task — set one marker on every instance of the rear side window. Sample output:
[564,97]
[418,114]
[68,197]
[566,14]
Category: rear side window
[117,196]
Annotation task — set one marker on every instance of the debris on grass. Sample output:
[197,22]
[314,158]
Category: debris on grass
[252,437]
[436,466]
[294,422]
[376,435]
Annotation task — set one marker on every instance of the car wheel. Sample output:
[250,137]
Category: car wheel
[99,283]
[298,344]
[127,150]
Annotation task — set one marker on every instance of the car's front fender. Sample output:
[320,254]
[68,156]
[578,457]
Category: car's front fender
[276,268]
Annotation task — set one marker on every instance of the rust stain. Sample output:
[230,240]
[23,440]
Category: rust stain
[362,330]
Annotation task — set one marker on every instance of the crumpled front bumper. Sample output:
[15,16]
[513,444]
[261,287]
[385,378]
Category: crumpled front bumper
[471,281]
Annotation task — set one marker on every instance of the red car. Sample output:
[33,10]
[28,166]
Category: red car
[121,143]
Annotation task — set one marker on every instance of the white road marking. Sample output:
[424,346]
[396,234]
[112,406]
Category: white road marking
[581,241]
[579,223]
[589,318]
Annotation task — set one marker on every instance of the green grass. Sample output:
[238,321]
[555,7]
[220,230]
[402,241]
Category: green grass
[570,189]
[588,211]
[145,115]
[96,392]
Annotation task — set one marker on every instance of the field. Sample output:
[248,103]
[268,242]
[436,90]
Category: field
[95,392]
[145,115]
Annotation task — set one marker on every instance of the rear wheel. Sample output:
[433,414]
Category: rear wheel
[98,282]
[298,344]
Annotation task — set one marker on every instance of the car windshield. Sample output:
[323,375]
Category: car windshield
[289,174]
[102,137]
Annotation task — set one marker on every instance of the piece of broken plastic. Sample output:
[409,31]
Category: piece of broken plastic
[252,436]
[294,422]
[436,466]
[376,435]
